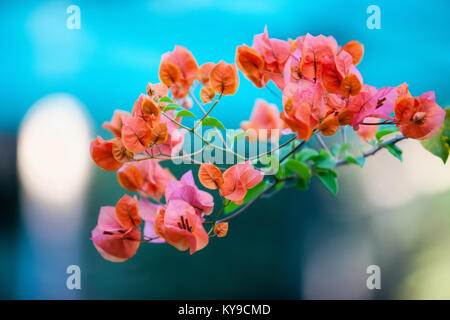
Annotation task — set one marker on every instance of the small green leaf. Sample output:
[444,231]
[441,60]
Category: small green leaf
[324,160]
[394,150]
[251,194]
[439,144]
[307,154]
[303,170]
[338,149]
[212,122]
[165,99]
[384,132]
[360,161]
[301,184]
[172,106]
[184,113]
[329,180]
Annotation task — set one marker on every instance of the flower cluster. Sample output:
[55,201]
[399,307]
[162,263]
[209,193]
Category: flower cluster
[322,92]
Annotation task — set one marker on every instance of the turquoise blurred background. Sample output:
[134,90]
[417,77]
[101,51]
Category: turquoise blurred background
[293,245]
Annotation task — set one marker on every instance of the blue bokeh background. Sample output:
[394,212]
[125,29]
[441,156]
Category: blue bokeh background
[106,65]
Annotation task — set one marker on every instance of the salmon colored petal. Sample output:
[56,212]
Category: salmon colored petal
[127,212]
[102,154]
[136,134]
[210,176]
[185,61]
[204,71]
[117,247]
[148,212]
[249,61]
[221,229]
[120,153]
[157,90]
[224,78]
[130,178]
[169,73]
[207,94]
[115,126]
[150,109]
[356,50]
[368,132]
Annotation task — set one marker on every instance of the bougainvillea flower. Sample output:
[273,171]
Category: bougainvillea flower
[304,106]
[147,109]
[111,240]
[264,116]
[136,134]
[419,118]
[178,70]
[221,229]
[291,71]
[181,227]
[368,132]
[175,137]
[148,211]
[316,52]
[275,53]
[159,133]
[329,125]
[127,212]
[130,178]
[155,178]
[224,78]
[204,71]
[102,154]
[186,190]
[238,179]
[210,176]
[371,102]
[355,49]
[115,125]
[187,103]
[251,65]
[157,90]
[207,94]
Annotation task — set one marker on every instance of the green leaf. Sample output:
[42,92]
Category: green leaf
[165,99]
[394,150]
[307,154]
[301,184]
[439,144]
[384,132]
[172,106]
[184,113]
[303,170]
[324,160]
[251,194]
[360,161]
[329,180]
[212,122]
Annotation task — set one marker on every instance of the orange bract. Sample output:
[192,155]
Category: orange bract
[149,108]
[203,72]
[130,178]
[224,78]
[248,60]
[221,229]
[169,73]
[127,212]
[102,154]
[207,94]
[329,125]
[350,85]
[159,133]
[210,176]
[120,153]
[356,50]
[157,90]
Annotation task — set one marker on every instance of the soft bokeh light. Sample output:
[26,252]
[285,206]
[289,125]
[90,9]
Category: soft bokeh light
[53,159]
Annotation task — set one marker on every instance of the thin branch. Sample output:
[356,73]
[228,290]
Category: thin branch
[293,151]
[376,149]
[207,113]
